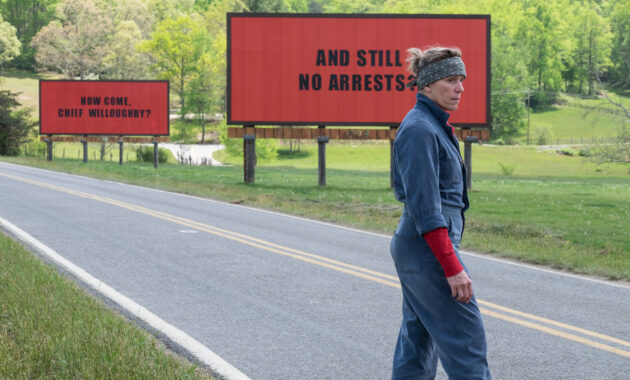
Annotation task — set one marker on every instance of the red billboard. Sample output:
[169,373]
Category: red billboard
[75,107]
[346,69]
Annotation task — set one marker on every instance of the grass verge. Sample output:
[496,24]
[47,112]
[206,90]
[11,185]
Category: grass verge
[50,328]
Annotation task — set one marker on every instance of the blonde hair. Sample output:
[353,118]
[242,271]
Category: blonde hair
[417,59]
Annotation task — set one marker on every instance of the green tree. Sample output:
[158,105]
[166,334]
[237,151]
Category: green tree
[9,43]
[546,36]
[123,60]
[176,45]
[15,124]
[358,6]
[123,11]
[28,17]
[620,55]
[510,77]
[206,90]
[75,44]
[258,6]
[165,9]
[594,44]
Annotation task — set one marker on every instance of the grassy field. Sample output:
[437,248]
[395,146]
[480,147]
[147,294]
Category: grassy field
[568,123]
[51,329]
[25,83]
[63,150]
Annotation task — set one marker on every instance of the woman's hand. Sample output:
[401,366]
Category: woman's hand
[461,286]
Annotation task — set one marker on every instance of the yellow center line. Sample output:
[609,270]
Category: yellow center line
[352,270]
[557,333]
[555,323]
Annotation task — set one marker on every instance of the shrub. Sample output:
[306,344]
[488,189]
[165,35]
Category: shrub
[34,148]
[14,124]
[584,152]
[266,149]
[506,169]
[144,153]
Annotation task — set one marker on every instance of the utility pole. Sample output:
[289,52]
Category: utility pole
[528,97]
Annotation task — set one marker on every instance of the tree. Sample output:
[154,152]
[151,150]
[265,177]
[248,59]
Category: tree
[74,46]
[207,85]
[14,124]
[359,6]
[620,55]
[176,45]
[594,44]
[28,17]
[123,11]
[165,9]
[123,60]
[9,44]
[545,35]
[510,77]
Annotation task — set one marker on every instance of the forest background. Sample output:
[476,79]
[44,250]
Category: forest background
[540,49]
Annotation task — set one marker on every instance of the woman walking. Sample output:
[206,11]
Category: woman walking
[440,315]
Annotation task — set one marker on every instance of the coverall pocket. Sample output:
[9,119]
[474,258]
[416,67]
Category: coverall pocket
[407,228]
[410,252]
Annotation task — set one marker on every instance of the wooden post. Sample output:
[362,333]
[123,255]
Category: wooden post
[468,158]
[120,150]
[321,166]
[249,154]
[156,155]
[322,140]
[49,148]
[85,148]
[391,156]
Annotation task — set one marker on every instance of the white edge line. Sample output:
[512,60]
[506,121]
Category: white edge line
[480,256]
[203,353]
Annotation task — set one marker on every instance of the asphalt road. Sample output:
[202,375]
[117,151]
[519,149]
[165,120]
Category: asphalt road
[281,297]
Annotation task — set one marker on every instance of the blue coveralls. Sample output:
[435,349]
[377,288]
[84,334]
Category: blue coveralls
[429,180]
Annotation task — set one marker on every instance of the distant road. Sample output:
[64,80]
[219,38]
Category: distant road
[281,297]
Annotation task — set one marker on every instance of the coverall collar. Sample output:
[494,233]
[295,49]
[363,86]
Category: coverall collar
[439,113]
[441,116]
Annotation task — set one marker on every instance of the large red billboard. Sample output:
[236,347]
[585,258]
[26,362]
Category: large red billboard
[74,107]
[346,69]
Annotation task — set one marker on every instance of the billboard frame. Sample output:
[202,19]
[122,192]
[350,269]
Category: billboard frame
[168,103]
[230,15]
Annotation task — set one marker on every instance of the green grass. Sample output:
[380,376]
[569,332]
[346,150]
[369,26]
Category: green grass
[374,157]
[24,82]
[67,150]
[50,328]
[578,224]
[565,123]
[578,125]
[561,211]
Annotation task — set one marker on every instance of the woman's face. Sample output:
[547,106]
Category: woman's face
[446,92]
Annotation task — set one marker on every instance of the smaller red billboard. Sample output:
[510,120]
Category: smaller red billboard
[76,107]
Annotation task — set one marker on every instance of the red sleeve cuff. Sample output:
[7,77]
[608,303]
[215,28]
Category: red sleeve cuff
[442,248]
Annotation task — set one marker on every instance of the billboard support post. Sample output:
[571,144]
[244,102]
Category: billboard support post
[85,148]
[249,154]
[120,150]
[49,148]
[321,142]
[391,155]
[156,154]
[468,158]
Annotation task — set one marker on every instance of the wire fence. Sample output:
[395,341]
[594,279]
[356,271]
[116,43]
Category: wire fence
[607,109]
[574,140]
